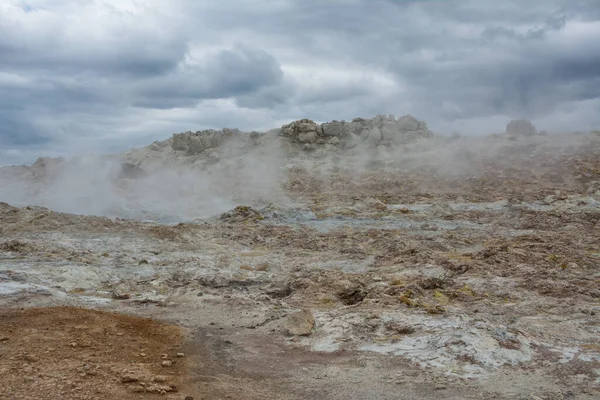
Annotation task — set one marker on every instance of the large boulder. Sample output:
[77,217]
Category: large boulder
[520,127]
[303,131]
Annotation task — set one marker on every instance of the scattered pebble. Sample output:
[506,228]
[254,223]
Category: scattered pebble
[31,358]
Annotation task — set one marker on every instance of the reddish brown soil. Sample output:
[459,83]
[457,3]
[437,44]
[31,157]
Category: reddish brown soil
[70,353]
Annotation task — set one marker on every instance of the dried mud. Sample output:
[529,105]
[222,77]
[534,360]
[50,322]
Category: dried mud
[476,282]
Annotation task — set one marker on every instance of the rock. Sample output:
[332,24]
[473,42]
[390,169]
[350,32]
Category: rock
[440,210]
[347,135]
[304,131]
[128,378]
[167,363]
[520,127]
[334,141]
[375,204]
[262,267]
[334,129]
[242,214]
[278,291]
[180,355]
[301,323]
[121,292]
[31,358]
[195,143]
[307,137]
[398,328]
[305,127]
[246,268]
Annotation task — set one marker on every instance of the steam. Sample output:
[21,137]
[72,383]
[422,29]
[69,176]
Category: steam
[162,184]
[166,190]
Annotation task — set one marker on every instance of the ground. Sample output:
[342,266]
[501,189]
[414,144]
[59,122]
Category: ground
[66,352]
[387,283]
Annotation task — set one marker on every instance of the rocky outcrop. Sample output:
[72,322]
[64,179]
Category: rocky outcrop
[195,143]
[520,127]
[303,131]
[372,131]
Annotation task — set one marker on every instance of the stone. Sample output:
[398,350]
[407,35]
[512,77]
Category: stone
[399,328]
[121,292]
[262,267]
[520,127]
[440,210]
[307,137]
[301,323]
[333,128]
[242,214]
[31,358]
[307,127]
[196,143]
[128,378]
[167,363]
[278,291]
[375,204]
[304,131]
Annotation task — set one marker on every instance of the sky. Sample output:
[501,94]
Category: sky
[107,75]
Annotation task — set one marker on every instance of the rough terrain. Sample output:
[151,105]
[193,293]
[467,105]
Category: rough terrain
[367,260]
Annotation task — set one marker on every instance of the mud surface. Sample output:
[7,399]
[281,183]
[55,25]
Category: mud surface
[396,281]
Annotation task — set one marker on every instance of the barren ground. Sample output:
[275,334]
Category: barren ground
[422,284]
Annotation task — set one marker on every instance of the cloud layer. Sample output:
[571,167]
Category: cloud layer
[105,75]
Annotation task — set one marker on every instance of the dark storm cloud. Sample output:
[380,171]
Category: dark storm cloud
[116,73]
